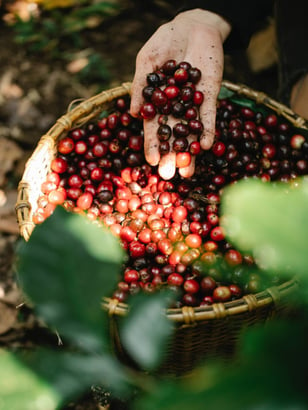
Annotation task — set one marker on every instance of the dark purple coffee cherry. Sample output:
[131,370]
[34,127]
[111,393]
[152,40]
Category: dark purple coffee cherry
[187,94]
[153,79]
[195,127]
[180,144]
[147,92]
[164,147]
[180,130]
[178,110]
[169,67]
[159,98]
[194,74]
[164,132]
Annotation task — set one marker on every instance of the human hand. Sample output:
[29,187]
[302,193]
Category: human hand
[195,36]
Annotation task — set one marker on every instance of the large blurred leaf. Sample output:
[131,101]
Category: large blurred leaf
[71,374]
[66,268]
[146,329]
[271,221]
[269,373]
[21,388]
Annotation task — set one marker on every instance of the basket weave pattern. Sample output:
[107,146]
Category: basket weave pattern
[201,332]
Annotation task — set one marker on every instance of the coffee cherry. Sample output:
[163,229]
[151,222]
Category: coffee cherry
[58,165]
[80,147]
[57,196]
[181,75]
[193,240]
[159,98]
[218,148]
[187,94]
[169,67]
[271,121]
[217,234]
[195,127]
[164,132]
[136,249]
[147,111]
[195,148]
[77,133]
[147,92]
[191,286]
[297,141]
[235,290]
[153,79]
[198,98]
[233,257]
[178,110]
[194,74]
[208,284]
[180,130]
[84,201]
[131,275]
[222,294]
[175,279]
[66,145]
[172,92]
[164,147]
[180,145]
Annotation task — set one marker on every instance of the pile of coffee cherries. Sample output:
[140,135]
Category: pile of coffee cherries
[171,93]
[170,229]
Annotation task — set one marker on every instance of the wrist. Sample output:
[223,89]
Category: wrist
[208,18]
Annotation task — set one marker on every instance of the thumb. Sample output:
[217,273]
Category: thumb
[208,114]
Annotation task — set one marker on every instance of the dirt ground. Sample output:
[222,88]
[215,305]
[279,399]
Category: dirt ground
[34,91]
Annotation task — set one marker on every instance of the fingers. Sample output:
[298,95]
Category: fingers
[208,118]
[167,166]
[210,87]
[151,142]
[187,172]
[210,62]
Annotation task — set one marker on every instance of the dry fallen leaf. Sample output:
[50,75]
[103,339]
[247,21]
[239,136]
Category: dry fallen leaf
[8,316]
[10,152]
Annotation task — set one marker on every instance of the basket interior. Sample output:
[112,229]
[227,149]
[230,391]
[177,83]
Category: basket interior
[39,165]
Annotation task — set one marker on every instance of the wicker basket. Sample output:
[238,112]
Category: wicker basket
[202,332]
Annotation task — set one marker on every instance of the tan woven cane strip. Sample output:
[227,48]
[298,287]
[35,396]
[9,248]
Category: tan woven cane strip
[112,307]
[188,315]
[251,301]
[275,294]
[219,310]
[47,140]
[260,98]
[65,121]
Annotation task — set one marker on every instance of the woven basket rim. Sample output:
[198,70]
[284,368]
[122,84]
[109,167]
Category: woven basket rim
[90,108]
[189,315]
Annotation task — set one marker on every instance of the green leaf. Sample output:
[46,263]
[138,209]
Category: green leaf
[71,374]
[66,268]
[20,387]
[225,93]
[271,220]
[269,373]
[146,329]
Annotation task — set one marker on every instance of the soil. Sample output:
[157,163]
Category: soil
[36,89]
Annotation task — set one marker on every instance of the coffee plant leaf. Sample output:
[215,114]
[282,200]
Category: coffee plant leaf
[65,269]
[269,375]
[71,374]
[21,387]
[271,221]
[225,93]
[146,329]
